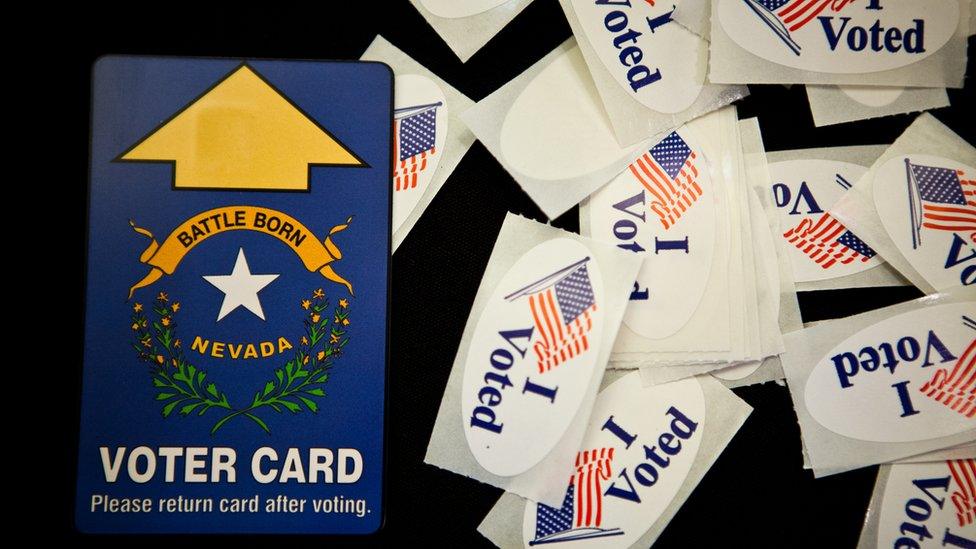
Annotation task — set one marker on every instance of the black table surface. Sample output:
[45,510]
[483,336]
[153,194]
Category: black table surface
[756,495]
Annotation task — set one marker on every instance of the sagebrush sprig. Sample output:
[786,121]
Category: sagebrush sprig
[294,387]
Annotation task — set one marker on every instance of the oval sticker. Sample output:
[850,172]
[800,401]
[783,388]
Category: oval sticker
[532,356]
[557,128]
[840,36]
[662,206]
[907,378]
[419,130]
[927,205]
[454,9]
[619,487]
[936,497]
[820,247]
[655,61]
[872,96]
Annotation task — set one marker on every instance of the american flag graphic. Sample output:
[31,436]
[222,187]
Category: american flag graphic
[946,198]
[581,514]
[828,242]
[964,498]
[957,388]
[414,136]
[668,172]
[562,306]
[786,16]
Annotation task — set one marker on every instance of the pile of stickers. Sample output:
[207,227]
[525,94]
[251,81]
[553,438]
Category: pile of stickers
[592,379]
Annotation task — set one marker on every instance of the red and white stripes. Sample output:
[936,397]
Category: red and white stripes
[558,341]
[671,198]
[956,389]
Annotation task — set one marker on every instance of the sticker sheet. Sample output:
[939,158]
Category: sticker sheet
[924,505]
[916,43]
[548,129]
[429,137]
[644,452]
[531,359]
[467,25]
[650,72]
[838,104]
[887,384]
[823,253]
[915,206]
[674,208]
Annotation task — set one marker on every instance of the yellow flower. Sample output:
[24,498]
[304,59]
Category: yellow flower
[305,360]
[135,325]
[306,304]
[318,294]
[137,307]
[321,355]
[145,323]
[315,317]
[165,321]
[343,303]
[304,340]
[160,359]
[175,364]
[335,320]
[147,342]
[162,296]
[176,306]
[176,343]
[334,339]
[345,321]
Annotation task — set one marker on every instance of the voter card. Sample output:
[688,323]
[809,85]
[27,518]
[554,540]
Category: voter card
[531,359]
[236,323]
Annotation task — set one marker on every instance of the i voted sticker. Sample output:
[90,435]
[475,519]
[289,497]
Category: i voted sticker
[663,206]
[455,9]
[840,36]
[637,452]
[929,505]
[820,247]
[557,128]
[419,130]
[655,61]
[907,378]
[927,205]
[532,356]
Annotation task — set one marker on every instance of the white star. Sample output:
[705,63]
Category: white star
[240,288]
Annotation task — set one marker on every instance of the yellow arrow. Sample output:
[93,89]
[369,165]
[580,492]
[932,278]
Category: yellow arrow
[242,134]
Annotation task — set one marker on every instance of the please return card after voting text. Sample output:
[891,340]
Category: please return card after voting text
[531,359]
[236,323]
[887,384]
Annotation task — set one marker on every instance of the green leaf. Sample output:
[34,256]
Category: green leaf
[159,383]
[178,376]
[169,407]
[268,387]
[316,392]
[189,408]
[311,405]
[295,408]
[212,389]
[165,396]
[280,375]
[275,407]
[301,373]
[289,367]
